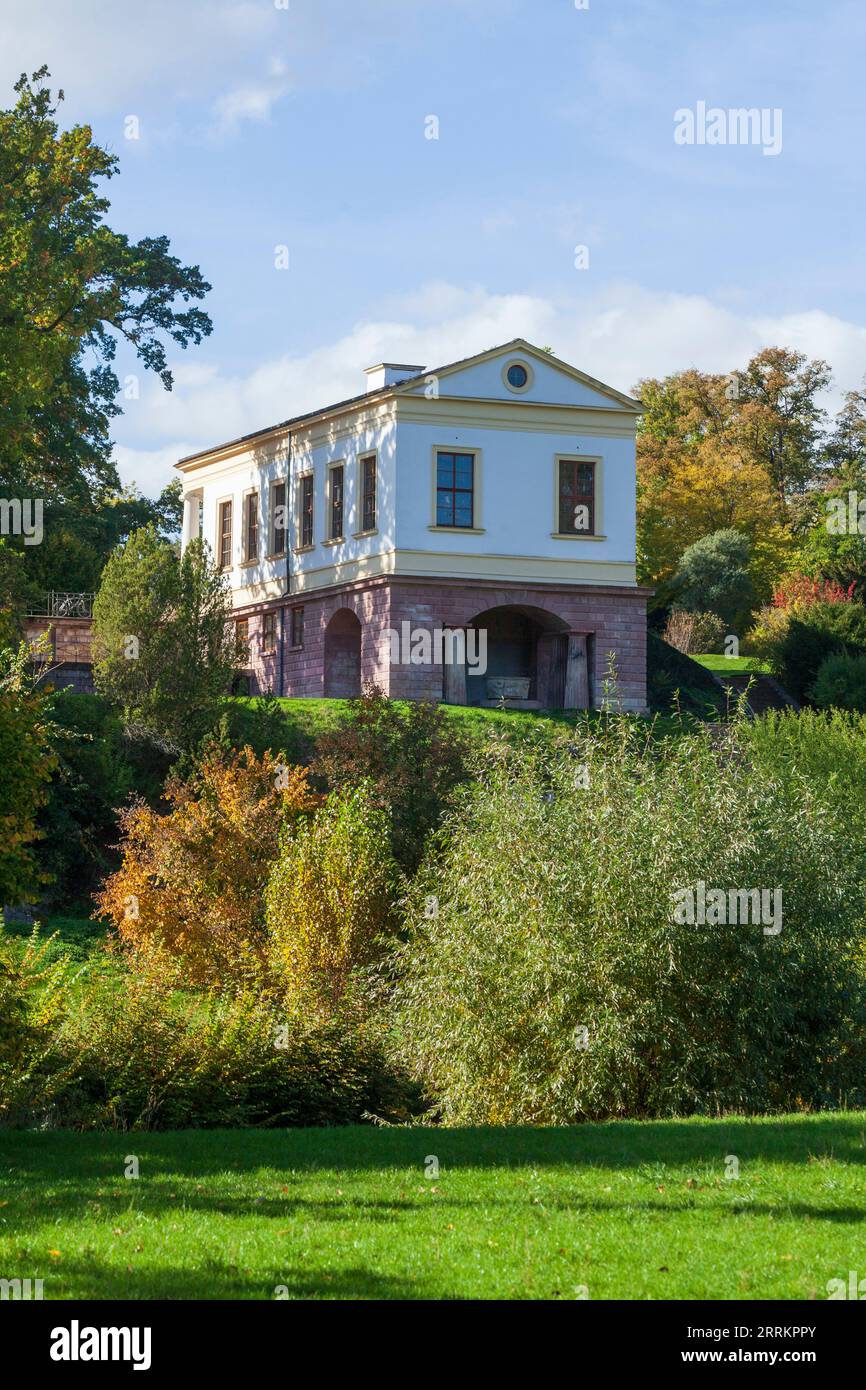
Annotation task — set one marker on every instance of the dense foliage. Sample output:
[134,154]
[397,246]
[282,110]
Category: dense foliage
[811,635]
[331,900]
[131,1049]
[192,880]
[26,763]
[408,753]
[713,577]
[71,288]
[163,647]
[841,682]
[552,982]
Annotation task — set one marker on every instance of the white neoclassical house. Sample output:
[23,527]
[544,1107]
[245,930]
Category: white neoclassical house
[388,538]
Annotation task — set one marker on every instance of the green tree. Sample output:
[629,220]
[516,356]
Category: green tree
[163,648]
[834,547]
[71,288]
[713,577]
[12,594]
[27,761]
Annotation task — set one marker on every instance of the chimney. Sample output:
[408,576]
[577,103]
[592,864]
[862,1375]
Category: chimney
[389,373]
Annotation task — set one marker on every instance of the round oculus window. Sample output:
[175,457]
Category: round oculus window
[517,376]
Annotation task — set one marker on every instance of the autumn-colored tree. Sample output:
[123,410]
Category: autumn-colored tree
[192,881]
[693,480]
[717,452]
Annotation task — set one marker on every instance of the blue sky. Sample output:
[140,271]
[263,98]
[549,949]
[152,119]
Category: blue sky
[304,126]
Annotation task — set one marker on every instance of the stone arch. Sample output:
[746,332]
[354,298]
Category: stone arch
[534,647]
[343,655]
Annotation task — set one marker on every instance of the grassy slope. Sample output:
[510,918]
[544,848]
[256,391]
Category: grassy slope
[675,679]
[628,1210]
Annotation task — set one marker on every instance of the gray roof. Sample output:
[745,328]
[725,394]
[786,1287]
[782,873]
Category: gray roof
[380,391]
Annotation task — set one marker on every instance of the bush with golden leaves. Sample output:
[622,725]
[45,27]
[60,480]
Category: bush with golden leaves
[192,881]
[331,900]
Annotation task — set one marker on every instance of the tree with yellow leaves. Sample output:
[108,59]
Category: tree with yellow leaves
[192,881]
[719,452]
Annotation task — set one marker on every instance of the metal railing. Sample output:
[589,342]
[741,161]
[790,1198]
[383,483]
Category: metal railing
[56,604]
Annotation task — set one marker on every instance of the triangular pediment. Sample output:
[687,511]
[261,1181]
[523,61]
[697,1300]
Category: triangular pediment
[548,380]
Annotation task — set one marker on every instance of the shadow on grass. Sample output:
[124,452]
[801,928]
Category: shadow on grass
[212,1280]
[99,1157]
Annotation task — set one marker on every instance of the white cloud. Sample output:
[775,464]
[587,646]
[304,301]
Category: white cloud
[624,334]
[109,57]
[252,101]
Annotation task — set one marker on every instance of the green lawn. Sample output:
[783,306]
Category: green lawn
[628,1210]
[712,661]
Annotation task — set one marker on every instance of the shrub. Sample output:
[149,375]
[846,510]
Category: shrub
[694,632]
[331,899]
[121,1049]
[841,682]
[411,756]
[812,635]
[798,591]
[767,636]
[554,915]
[145,1056]
[93,776]
[33,993]
[827,749]
[713,576]
[192,881]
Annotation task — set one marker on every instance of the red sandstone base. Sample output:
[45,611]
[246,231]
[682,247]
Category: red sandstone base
[563,638]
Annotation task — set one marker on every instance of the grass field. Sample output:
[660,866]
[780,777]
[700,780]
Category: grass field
[625,1210]
[732,664]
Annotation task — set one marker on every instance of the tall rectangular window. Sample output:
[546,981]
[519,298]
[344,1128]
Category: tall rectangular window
[297,636]
[225,535]
[269,632]
[368,493]
[335,531]
[576,497]
[200,522]
[278,522]
[242,641]
[455,489]
[306,504]
[251,526]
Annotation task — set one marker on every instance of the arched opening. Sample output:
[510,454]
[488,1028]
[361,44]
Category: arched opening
[532,660]
[343,656]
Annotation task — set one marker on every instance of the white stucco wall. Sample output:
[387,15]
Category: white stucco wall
[232,478]
[518,492]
